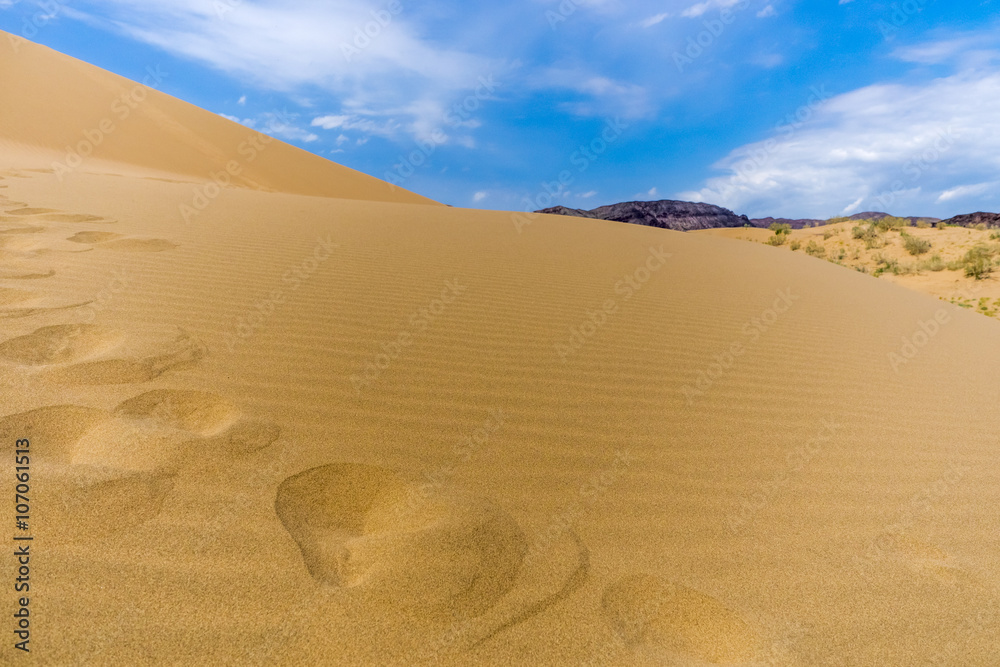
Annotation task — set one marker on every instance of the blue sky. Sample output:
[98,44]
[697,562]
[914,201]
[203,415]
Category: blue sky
[769,107]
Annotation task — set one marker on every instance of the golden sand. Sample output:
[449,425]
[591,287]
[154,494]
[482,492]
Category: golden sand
[325,421]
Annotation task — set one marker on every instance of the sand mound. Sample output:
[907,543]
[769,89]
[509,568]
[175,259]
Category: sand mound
[362,526]
[648,611]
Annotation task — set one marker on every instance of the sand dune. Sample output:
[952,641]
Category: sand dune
[110,120]
[397,433]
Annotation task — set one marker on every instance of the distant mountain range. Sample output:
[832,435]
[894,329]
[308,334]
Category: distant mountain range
[687,216]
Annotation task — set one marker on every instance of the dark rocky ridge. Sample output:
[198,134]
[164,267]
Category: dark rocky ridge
[973,219]
[666,214]
[686,216]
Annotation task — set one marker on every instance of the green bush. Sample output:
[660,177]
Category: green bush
[922,224]
[978,262]
[858,232]
[815,249]
[891,223]
[795,245]
[935,263]
[777,239]
[780,228]
[915,246]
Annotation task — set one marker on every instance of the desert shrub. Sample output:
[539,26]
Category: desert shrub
[858,232]
[795,245]
[780,228]
[935,263]
[891,223]
[777,239]
[978,262]
[922,224]
[815,249]
[873,239]
[830,232]
[995,236]
[916,246]
[981,226]
[885,265]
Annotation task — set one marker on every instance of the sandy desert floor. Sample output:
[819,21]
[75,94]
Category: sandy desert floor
[950,244]
[311,428]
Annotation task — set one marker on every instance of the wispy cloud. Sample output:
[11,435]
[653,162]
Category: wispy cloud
[882,146]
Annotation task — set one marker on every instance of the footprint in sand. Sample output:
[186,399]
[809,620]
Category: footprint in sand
[10,296]
[365,528]
[182,353]
[26,211]
[27,276]
[77,502]
[921,557]
[91,238]
[102,472]
[22,230]
[60,344]
[110,241]
[671,621]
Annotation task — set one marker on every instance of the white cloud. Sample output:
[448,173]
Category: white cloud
[766,12]
[587,195]
[694,11]
[652,192]
[242,101]
[853,208]
[291,46]
[330,122]
[480,196]
[969,190]
[880,147]
[654,20]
